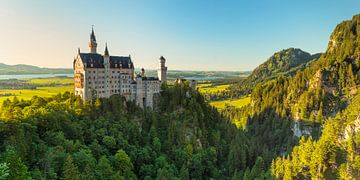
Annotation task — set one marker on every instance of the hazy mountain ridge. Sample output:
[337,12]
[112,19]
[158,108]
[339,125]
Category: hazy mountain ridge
[29,69]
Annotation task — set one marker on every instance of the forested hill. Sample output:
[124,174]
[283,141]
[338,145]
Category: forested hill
[330,86]
[326,92]
[285,62]
[323,88]
[28,69]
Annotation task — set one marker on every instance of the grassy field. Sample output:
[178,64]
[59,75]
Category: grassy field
[27,94]
[208,89]
[55,80]
[235,102]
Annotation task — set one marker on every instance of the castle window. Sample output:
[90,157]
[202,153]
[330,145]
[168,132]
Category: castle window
[94,71]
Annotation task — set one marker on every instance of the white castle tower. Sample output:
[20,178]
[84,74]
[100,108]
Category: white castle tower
[162,70]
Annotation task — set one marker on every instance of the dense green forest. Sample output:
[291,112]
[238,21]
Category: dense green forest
[62,137]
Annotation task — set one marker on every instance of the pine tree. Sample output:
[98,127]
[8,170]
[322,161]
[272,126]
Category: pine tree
[104,170]
[350,76]
[123,164]
[4,171]
[16,168]
[184,173]
[70,170]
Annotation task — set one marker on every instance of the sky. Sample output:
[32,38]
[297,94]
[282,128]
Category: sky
[222,35]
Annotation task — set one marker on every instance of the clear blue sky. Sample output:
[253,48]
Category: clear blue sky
[191,34]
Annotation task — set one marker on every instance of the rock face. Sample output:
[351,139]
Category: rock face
[352,128]
[301,129]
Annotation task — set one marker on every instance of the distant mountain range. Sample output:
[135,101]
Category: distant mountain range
[29,69]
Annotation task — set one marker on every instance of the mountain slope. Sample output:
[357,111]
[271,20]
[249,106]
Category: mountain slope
[326,92]
[326,95]
[28,69]
[283,63]
[323,88]
[335,155]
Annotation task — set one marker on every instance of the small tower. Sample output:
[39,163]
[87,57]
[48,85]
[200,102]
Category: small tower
[162,70]
[106,57]
[142,72]
[92,43]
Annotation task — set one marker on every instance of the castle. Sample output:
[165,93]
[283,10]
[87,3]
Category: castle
[100,76]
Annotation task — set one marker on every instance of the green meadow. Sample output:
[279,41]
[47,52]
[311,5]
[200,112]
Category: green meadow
[233,102]
[211,89]
[45,87]
[27,94]
[208,88]
[55,80]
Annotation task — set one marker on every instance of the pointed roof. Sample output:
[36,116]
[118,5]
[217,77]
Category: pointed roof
[106,50]
[92,35]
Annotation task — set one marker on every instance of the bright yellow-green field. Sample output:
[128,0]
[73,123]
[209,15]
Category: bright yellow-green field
[235,102]
[55,80]
[27,94]
[202,85]
[207,88]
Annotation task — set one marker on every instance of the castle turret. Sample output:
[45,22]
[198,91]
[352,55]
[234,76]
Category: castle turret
[142,72]
[106,57]
[92,43]
[162,70]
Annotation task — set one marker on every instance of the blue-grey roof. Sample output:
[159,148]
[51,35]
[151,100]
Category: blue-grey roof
[124,61]
[97,61]
[151,78]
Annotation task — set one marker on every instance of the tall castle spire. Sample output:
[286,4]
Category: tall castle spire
[92,43]
[106,50]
